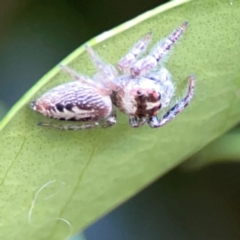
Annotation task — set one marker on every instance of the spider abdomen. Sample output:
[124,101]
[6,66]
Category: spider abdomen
[73,101]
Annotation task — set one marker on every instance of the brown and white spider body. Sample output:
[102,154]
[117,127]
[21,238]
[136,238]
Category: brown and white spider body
[139,88]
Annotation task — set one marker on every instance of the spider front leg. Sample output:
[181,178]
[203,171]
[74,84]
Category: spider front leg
[131,57]
[154,122]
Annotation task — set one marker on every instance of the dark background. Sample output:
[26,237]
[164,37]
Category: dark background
[35,36]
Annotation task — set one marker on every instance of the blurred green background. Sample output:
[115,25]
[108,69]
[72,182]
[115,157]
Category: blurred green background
[35,36]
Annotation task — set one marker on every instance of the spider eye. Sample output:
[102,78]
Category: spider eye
[139,92]
[159,96]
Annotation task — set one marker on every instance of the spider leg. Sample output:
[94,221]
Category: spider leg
[76,75]
[130,58]
[102,67]
[159,51]
[106,72]
[110,121]
[97,61]
[154,122]
[85,80]
[69,127]
[136,122]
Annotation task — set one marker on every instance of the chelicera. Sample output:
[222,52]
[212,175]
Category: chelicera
[138,87]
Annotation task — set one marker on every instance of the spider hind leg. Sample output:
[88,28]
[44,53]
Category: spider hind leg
[105,123]
[69,127]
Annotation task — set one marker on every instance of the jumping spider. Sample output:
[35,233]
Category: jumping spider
[139,88]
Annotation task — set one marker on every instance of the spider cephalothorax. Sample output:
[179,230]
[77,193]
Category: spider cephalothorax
[139,88]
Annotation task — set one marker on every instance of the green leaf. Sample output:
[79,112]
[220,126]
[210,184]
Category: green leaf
[224,149]
[54,183]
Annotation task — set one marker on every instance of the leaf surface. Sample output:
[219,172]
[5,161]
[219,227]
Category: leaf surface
[51,180]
